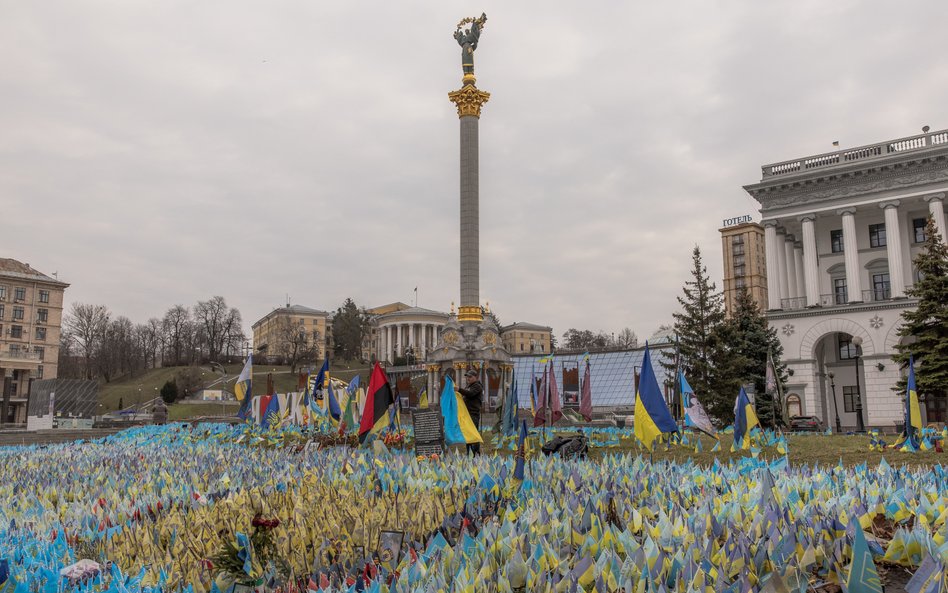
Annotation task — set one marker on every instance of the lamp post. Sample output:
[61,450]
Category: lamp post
[861,427]
[839,427]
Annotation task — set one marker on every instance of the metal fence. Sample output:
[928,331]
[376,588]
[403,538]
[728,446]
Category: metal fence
[74,398]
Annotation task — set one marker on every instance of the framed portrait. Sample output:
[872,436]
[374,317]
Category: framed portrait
[390,548]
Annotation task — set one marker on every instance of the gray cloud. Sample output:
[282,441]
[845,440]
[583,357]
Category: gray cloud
[159,153]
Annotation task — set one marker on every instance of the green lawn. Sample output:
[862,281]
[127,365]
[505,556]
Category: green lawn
[802,448]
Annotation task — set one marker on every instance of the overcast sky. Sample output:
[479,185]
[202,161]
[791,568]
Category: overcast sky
[155,153]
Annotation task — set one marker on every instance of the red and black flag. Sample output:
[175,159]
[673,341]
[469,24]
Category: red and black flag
[377,401]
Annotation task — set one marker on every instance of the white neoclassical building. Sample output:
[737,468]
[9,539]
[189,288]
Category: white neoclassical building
[402,331]
[841,232]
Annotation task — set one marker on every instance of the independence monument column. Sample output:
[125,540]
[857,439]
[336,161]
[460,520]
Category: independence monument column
[469,340]
[469,100]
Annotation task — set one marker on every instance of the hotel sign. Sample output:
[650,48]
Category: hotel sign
[738,220]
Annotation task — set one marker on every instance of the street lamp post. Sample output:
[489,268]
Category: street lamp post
[861,427]
[839,427]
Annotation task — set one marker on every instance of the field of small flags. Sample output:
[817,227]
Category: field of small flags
[235,508]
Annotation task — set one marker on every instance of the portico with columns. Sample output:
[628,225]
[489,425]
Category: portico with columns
[841,231]
[405,332]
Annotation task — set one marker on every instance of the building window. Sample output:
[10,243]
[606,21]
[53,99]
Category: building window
[41,333]
[39,372]
[1,311]
[3,293]
[42,315]
[880,287]
[14,349]
[738,260]
[17,313]
[39,351]
[847,350]
[737,240]
[16,331]
[918,230]
[521,346]
[44,296]
[740,283]
[19,294]
[876,235]
[850,397]
[839,291]
[836,241]
[739,270]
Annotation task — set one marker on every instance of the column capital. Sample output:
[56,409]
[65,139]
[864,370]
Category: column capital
[769,223]
[469,100]
[806,217]
[798,244]
[844,211]
[934,197]
[790,238]
[890,204]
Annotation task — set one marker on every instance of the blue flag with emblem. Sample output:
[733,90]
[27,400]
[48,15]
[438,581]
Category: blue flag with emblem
[863,576]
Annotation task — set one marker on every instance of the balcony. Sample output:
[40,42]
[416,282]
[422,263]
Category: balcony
[20,359]
[876,295]
[861,153]
[833,300]
[793,304]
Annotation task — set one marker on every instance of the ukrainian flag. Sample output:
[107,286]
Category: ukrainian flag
[745,418]
[652,417]
[458,426]
[244,386]
[913,414]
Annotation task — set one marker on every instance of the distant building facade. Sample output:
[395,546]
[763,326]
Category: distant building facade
[841,231]
[273,335]
[745,263]
[526,338]
[31,313]
[397,331]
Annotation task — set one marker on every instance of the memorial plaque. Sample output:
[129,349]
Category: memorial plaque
[429,433]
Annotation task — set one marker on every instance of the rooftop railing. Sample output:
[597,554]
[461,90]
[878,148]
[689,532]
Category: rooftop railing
[861,153]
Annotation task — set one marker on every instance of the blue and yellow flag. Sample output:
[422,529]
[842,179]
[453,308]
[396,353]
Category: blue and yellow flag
[913,415]
[243,388]
[458,426]
[745,418]
[652,417]
[863,576]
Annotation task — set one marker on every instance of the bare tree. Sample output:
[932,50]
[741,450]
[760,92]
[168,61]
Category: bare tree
[176,327]
[627,338]
[86,325]
[217,324]
[294,343]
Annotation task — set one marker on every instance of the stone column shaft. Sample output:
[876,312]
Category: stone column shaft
[936,207]
[782,265]
[791,267]
[470,216]
[798,266]
[851,249]
[773,276]
[811,274]
[893,242]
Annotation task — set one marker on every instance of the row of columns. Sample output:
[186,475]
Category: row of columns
[793,266]
[400,336]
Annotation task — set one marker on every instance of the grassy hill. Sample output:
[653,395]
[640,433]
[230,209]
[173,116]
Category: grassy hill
[144,387]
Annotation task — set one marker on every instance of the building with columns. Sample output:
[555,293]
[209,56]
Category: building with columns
[744,263]
[526,338]
[841,231]
[398,330]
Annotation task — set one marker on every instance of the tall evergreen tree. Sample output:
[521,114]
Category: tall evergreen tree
[702,335]
[926,326]
[751,340]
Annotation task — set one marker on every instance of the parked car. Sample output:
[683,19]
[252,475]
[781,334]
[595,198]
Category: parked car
[806,424]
